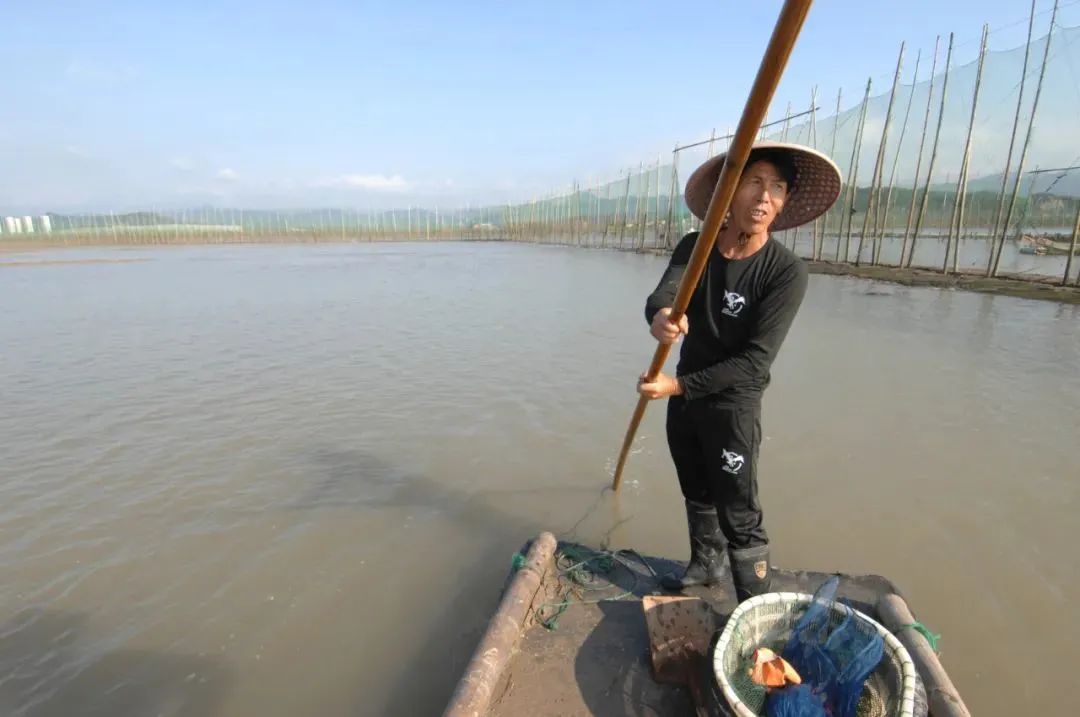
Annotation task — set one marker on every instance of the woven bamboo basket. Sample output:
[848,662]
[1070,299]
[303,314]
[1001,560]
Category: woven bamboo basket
[893,689]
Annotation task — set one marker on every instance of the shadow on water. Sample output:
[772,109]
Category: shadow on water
[344,478]
[50,666]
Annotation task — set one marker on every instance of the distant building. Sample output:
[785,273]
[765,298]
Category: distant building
[28,224]
[46,223]
[12,225]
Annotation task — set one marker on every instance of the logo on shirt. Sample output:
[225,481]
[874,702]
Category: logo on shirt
[733,462]
[733,304]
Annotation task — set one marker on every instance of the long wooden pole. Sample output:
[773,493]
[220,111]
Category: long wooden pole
[879,160]
[933,153]
[1072,248]
[1027,141]
[786,31]
[853,187]
[961,188]
[814,250]
[1012,143]
[669,231]
[918,160]
[832,153]
[880,233]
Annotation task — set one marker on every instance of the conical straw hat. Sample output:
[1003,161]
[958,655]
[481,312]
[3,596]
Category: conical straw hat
[817,184]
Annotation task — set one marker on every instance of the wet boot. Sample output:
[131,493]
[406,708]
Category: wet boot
[708,558]
[751,571]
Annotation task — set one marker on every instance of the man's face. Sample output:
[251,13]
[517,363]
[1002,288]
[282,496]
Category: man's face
[759,198]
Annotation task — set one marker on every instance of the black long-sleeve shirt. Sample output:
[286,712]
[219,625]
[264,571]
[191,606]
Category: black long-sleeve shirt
[739,315]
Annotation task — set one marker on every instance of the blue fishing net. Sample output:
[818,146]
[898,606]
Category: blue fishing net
[834,653]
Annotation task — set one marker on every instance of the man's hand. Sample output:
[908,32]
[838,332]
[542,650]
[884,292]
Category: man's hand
[661,387]
[666,332]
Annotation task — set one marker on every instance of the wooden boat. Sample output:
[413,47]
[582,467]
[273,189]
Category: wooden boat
[1041,246]
[559,647]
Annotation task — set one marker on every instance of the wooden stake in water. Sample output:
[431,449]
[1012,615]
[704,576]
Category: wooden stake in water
[961,189]
[1012,142]
[1027,142]
[879,161]
[669,228]
[832,153]
[880,233]
[791,19]
[815,249]
[626,210]
[656,214]
[933,153]
[918,160]
[853,174]
[1072,249]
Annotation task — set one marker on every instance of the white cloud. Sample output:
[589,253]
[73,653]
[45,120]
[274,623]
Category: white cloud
[229,175]
[374,182]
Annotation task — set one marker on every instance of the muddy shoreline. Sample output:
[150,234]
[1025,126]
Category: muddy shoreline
[1026,286]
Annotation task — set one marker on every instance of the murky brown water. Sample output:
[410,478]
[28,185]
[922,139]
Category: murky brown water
[289,480]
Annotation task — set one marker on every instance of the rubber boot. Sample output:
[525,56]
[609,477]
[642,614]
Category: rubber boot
[751,571]
[708,558]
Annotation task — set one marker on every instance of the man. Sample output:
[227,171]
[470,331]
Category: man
[740,313]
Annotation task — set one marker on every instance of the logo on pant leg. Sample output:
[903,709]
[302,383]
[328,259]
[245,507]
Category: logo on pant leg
[733,462]
[761,567]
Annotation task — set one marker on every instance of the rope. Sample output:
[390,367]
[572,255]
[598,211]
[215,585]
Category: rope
[925,632]
[583,568]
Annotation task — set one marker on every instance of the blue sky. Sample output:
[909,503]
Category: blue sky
[118,105]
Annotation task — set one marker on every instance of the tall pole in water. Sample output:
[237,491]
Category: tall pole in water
[1012,142]
[853,189]
[879,161]
[933,153]
[670,224]
[961,191]
[1072,248]
[832,153]
[918,160]
[880,233]
[786,31]
[1027,142]
[814,251]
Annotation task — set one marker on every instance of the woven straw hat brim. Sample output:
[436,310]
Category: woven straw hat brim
[817,185]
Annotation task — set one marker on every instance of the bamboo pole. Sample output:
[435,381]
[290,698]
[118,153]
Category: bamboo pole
[1012,142]
[643,201]
[918,160]
[656,214]
[596,228]
[896,163]
[1027,142]
[933,153]
[832,153]
[791,19]
[814,249]
[669,230]
[942,696]
[626,210]
[961,188]
[879,161]
[853,173]
[1072,249]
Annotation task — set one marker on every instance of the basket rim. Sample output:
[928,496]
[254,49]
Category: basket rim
[907,665]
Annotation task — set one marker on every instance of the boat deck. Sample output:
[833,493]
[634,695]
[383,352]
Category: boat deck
[594,659]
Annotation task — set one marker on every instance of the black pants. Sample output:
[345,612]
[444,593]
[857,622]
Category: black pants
[715,450]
